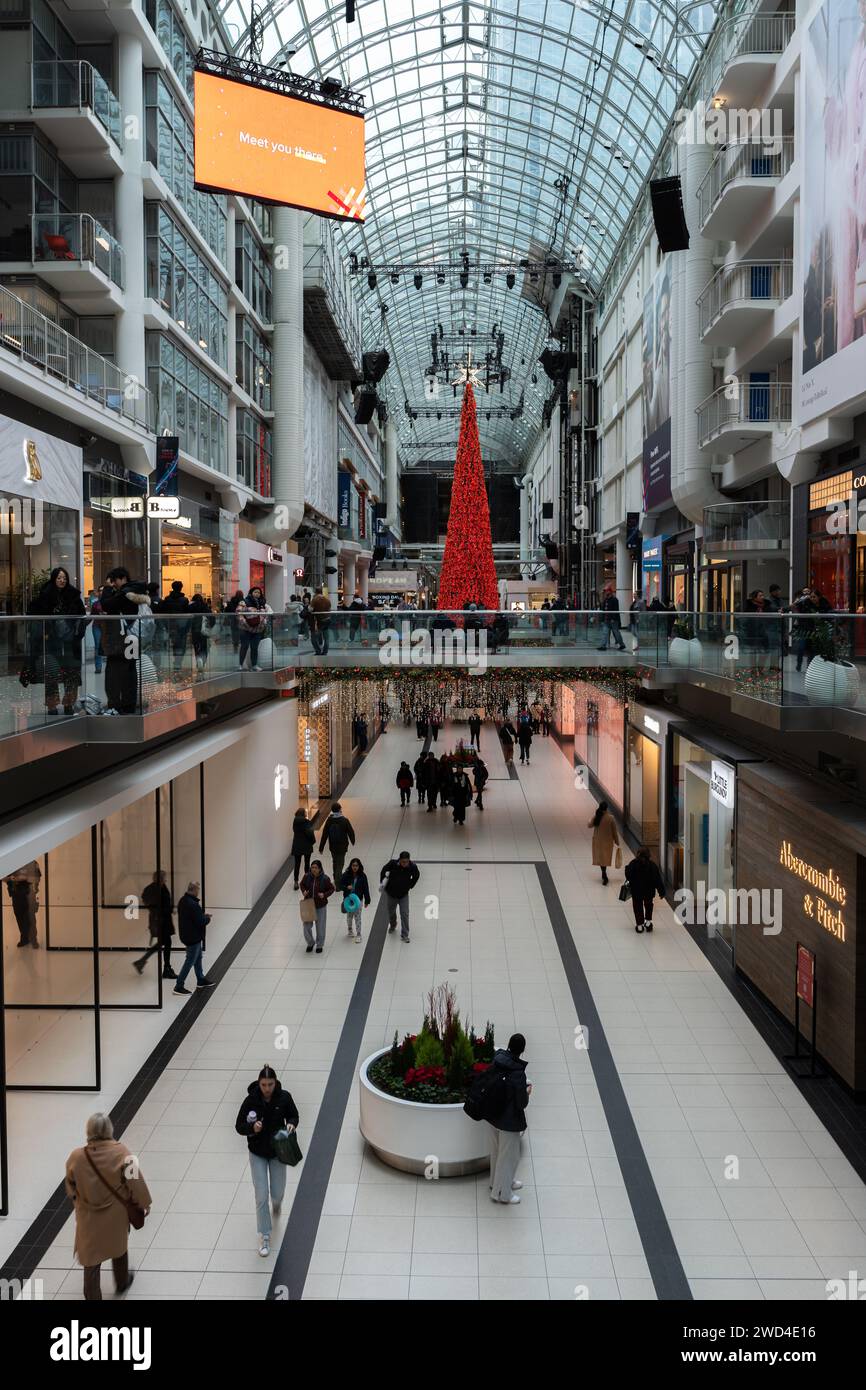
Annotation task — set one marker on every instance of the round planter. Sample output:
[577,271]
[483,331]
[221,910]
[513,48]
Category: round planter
[679,653]
[696,652]
[832,682]
[265,657]
[410,1136]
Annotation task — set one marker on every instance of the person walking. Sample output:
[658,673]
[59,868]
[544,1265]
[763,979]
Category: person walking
[475,729]
[303,842]
[461,795]
[55,644]
[201,624]
[320,607]
[176,606]
[231,608]
[253,615]
[508,738]
[524,734]
[101,1178]
[421,777]
[545,721]
[605,839]
[509,1122]
[804,607]
[317,888]
[644,879]
[536,717]
[431,780]
[435,726]
[397,879]
[405,781]
[192,923]
[337,835]
[265,1109]
[422,726]
[480,777]
[22,885]
[354,885]
[446,779]
[610,616]
[155,896]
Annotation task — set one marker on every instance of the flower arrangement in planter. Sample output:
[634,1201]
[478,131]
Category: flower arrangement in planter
[685,648]
[437,1065]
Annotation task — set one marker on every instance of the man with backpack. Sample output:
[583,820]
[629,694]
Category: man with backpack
[500,1096]
[481,775]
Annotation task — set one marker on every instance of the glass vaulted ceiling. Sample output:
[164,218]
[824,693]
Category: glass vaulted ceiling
[477,111]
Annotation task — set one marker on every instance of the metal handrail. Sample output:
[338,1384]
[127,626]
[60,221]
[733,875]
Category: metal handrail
[732,521]
[320,260]
[39,341]
[74,82]
[744,404]
[742,34]
[76,236]
[743,159]
[752,282]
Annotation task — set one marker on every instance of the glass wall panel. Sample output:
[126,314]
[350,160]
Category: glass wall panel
[186,814]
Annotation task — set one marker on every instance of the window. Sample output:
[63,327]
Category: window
[253,272]
[170,148]
[254,453]
[184,284]
[173,41]
[828,490]
[253,362]
[190,403]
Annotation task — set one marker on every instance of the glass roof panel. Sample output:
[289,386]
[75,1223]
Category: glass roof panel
[511,130]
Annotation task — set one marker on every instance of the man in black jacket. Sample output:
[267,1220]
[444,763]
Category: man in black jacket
[475,729]
[121,598]
[399,877]
[481,775]
[509,1121]
[611,620]
[645,881]
[431,780]
[157,899]
[176,604]
[192,923]
[338,834]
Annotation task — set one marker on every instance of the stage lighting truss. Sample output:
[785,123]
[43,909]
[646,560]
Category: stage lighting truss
[485,272]
[326,91]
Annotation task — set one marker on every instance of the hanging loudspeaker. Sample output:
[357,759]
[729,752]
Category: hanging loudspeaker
[668,214]
[365,407]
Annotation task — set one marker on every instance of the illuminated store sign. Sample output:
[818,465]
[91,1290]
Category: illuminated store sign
[823,881]
[319,701]
[722,783]
[652,724]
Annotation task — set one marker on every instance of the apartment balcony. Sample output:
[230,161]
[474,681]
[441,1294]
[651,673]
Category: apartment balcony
[740,297]
[739,182]
[331,318]
[80,114]
[46,365]
[753,530]
[742,55]
[80,259]
[738,414]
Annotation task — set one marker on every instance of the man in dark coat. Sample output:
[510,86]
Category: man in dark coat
[192,923]
[480,776]
[421,777]
[645,881]
[121,598]
[475,729]
[157,899]
[461,795]
[431,781]
[509,1121]
[398,878]
[338,834]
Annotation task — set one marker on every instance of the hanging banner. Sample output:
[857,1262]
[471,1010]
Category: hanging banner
[344,501]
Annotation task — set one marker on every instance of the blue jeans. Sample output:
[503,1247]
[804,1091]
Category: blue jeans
[192,962]
[263,1169]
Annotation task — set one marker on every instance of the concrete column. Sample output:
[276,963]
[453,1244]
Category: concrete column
[363,577]
[348,577]
[624,591]
[288,380]
[129,208]
[392,488]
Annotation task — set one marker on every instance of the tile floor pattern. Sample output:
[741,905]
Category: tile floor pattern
[702,1086]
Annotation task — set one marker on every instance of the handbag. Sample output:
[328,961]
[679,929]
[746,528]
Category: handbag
[308,910]
[625,891]
[617,863]
[286,1147]
[135,1213]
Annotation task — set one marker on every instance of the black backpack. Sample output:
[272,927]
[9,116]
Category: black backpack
[488,1094]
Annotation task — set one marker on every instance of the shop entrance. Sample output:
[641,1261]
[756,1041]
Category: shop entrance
[709,843]
[643,790]
[194,562]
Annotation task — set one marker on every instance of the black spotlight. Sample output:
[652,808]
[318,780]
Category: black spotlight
[395,278]
[557,279]
[440,278]
[464,280]
[487,277]
[509,279]
[417,280]
[372,280]
[330,86]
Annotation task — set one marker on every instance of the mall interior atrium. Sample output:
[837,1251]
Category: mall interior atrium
[433,473]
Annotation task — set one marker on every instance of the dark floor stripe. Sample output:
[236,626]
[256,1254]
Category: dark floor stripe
[46,1227]
[661,1253]
[293,1259]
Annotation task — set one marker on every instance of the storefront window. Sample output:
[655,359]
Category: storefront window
[642,808]
[830,562]
[111,540]
[25,567]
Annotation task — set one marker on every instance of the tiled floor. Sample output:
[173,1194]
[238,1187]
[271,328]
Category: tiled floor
[760,1201]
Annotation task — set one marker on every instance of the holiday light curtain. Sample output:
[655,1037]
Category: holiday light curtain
[468,572]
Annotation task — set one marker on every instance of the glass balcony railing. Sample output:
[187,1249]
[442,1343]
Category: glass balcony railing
[746,526]
[72,83]
[744,405]
[752,283]
[746,159]
[39,341]
[743,35]
[77,236]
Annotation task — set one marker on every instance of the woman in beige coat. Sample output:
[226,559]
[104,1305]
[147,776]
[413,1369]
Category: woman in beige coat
[604,839]
[101,1221]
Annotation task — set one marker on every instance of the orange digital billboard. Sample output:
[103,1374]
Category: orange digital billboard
[277,147]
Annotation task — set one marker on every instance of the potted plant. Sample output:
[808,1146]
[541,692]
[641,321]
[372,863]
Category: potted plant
[685,648]
[829,679]
[412,1094]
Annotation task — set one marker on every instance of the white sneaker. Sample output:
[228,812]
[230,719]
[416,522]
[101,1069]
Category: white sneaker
[516,1185]
[265,1246]
[257,668]
[512,1200]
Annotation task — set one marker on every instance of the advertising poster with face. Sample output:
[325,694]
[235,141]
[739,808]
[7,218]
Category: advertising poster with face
[657,394]
[834,209]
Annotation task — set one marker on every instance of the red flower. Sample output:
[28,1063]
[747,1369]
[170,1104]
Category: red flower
[481,1066]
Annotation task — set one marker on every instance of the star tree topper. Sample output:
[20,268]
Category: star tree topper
[466,373]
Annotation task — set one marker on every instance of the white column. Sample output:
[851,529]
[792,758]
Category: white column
[348,577]
[392,490]
[129,208]
[288,380]
[624,591]
[363,577]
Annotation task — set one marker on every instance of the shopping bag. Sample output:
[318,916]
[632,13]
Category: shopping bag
[308,910]
[617,863]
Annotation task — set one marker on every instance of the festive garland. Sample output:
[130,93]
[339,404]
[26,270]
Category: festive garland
[415,690]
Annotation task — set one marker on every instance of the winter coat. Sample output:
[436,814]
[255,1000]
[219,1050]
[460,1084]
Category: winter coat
[319,889]
[512,1118]
[480,775]
[644,878]
[274,1114]
[123,602]
[65,606]
[192,920]
[253,619]
[404,778]
[157,899]
[356,883]
[524,733]
[400,880]
[461,791]
[604,838]
[303,835]
[421,774]
[431,774]
[101,1222]
[338,833]
[508,733]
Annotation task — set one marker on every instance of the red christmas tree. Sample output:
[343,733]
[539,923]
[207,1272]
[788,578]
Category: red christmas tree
[468,572]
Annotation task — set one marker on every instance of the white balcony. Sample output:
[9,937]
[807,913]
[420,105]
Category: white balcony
[80,259]
[739,183]
[739,413]
[331,318]
[80,114]
[740,297]
[743,53]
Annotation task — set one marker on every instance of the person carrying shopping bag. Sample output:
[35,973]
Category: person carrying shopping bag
[605,840]
[267,1112]
[316,889]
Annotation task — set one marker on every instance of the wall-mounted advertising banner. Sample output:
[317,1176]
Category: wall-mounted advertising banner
[164,482]
[651,554]
[344,501]
[281,148]
[656,398]
[833,256]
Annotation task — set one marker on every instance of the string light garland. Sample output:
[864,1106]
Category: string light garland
[417,690]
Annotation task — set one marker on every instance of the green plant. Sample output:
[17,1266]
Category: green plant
[823,640]
[683,628]
[406,1057]
[461,1061]
[394,1056]
[429,1051]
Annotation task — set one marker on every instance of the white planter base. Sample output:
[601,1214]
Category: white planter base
[413,1137]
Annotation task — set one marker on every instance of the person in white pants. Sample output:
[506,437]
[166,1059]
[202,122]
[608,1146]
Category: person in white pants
[509,1122]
